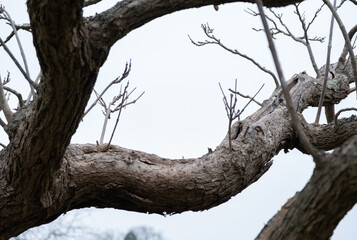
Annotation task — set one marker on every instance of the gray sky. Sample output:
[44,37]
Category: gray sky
[181,112]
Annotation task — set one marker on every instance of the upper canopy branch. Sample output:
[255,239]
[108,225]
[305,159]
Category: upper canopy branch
[113,24]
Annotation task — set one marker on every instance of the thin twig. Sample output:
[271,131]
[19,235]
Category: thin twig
[252,99]
[25,26]
[307,42]
[115,81]
[341,111]
[296,122]
[231,111]
[347,39]
[119,113]
[17,94]
[27,77]
[327,68]
[20,46]
[245,96]
[209,33]
[39,75]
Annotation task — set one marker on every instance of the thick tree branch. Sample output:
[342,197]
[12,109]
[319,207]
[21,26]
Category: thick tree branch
[137,181]
[113,24]
[330,194]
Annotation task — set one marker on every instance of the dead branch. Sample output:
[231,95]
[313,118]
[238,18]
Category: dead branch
[347,39]
[329,46]
[297,124]
[209,33]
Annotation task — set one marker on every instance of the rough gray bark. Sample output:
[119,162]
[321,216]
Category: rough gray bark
[42,176]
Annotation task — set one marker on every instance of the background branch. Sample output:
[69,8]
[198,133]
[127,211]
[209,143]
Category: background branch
[346,37]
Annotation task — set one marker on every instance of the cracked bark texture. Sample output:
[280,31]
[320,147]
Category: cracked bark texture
[42,176]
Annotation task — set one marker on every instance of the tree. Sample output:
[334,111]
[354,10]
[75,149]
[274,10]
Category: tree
[43,175]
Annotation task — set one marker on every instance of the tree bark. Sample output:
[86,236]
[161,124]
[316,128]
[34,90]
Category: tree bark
[42,176]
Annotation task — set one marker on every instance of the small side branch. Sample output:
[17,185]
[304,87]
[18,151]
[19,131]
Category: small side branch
[209,33]
[329,46]
[4,105]
[341,111]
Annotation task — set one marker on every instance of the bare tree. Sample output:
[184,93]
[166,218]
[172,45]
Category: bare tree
[42,175]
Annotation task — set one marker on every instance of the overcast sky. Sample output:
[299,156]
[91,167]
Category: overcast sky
[181,112]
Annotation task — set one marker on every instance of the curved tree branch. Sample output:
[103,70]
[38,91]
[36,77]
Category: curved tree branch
[137,181]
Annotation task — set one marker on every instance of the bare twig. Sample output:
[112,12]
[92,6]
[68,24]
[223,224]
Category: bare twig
[232,112]
[307,42]
[246,96]
[209,33]
[39,75]
[327,68]
[115,81]
[7,15]
[341,111]
[17,94]
[25,26]
[27,77]
[275,30]
[4,105]
[124,98]
[3,145]
[90,2]
[296,122]
[347,39]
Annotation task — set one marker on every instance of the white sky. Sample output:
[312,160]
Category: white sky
[181,112]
